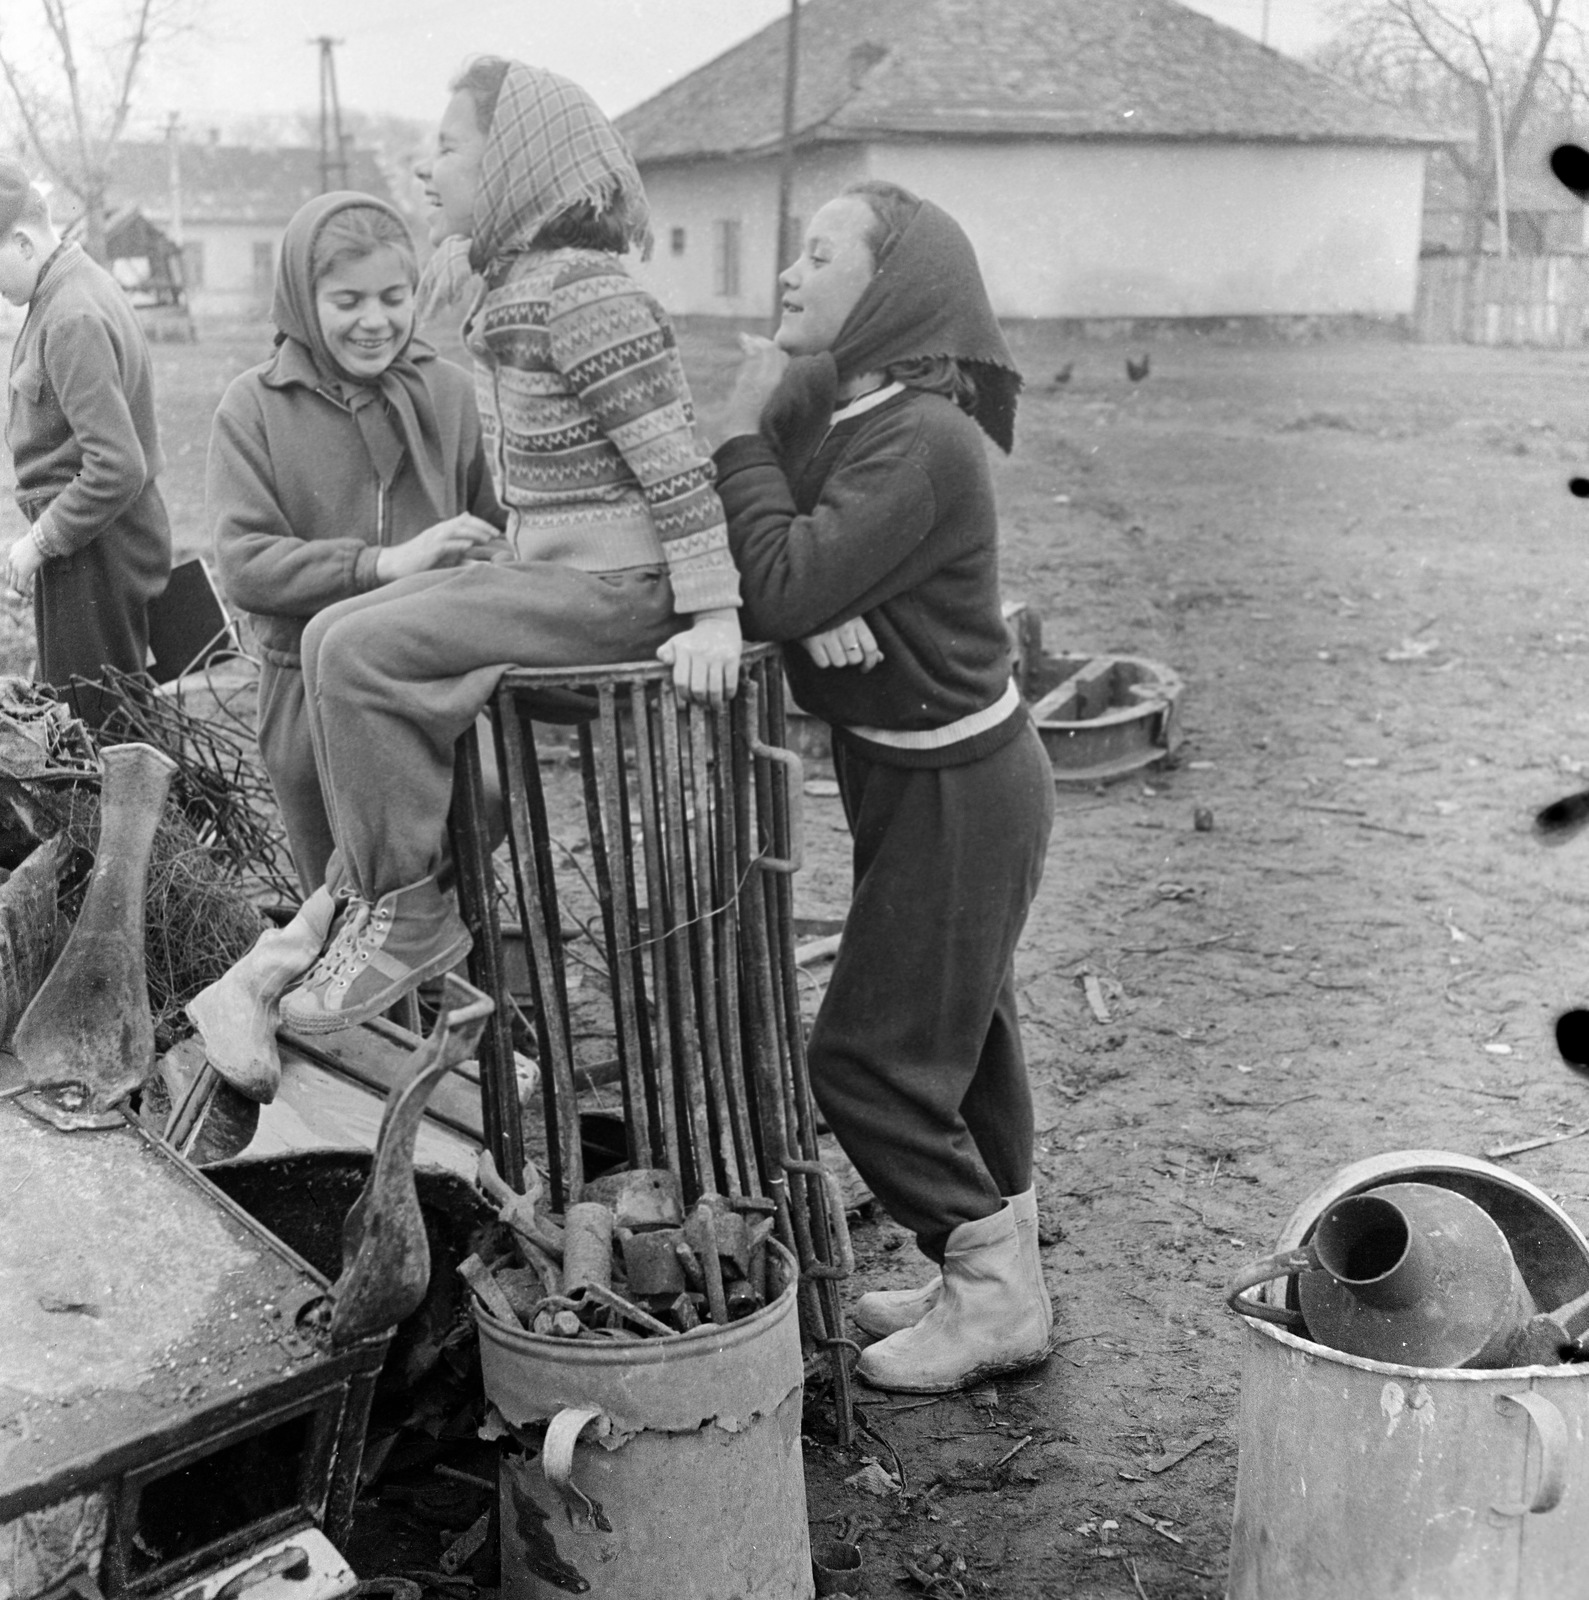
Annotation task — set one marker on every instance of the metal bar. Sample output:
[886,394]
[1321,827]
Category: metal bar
[756,965]
[538,910]
[707,916]
[727,889]
[656,903]
[692,1073]
[500,1117]
[609,830]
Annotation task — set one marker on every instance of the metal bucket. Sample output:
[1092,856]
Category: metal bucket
[668,1467]
[1365,1478]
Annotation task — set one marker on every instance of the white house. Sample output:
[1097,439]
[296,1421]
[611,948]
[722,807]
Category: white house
[228,205]
[1109,158]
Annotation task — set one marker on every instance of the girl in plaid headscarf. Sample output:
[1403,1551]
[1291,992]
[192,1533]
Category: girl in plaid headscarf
[618,543]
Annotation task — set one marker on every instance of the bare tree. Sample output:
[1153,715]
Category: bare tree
[1491,66]
[73,98]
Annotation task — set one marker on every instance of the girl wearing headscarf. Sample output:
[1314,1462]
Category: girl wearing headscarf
[861,514]
[618,543]
[352,458]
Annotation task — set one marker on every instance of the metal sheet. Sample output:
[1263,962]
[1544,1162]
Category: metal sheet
[132,1294]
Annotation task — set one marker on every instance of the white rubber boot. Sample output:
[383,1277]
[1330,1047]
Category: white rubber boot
[237,1016]
[989,1318]
[881,1312]
[1024,1205]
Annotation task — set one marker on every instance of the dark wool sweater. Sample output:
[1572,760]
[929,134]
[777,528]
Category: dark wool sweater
[893,520]
[81,425]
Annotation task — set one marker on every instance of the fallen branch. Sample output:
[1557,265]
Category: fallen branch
[1502,1151]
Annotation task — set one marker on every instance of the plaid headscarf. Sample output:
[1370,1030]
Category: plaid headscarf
[549,148]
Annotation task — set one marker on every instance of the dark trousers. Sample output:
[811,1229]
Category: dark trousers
[915,1056]
[91,608]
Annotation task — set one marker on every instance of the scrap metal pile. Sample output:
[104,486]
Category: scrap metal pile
[626,1262]
[217,849]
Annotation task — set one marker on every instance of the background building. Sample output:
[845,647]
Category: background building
[228,205]
[1109,158]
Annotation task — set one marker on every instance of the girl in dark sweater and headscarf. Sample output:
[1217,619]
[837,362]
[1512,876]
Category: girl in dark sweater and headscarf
[861,518]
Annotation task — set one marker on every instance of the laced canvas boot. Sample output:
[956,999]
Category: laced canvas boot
[378,954]
[237,1015]
[989,1317]
[881,1312]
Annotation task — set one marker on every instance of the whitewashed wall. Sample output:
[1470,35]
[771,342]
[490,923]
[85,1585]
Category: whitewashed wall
[1165,230]
[695,196]
[1123,229]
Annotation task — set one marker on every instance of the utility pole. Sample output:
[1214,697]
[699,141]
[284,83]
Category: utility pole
[786,155]
[1498,139]
[333,147]
[174,175]
[1263,27]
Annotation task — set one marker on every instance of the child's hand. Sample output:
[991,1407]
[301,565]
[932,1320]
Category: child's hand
[23,561]
[442,545]
[760,372]
[851,644]
[705,657]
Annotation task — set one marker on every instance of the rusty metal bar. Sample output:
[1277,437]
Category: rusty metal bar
[500,1119]
[610,852]
[656,906]
[532,858]
[692,1073]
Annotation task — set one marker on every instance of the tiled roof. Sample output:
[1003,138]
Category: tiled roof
[231,183]
[1078,69]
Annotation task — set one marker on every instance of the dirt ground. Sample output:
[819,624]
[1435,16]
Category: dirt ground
[1364,560]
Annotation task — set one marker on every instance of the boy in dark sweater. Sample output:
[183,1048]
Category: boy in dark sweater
[80,426]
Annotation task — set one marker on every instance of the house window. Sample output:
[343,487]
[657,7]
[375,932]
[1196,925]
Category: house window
[726,265]
[193,264]
[676,241]
[264,266]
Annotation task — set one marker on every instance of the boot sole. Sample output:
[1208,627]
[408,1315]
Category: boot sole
[990,1369]
[340,1021]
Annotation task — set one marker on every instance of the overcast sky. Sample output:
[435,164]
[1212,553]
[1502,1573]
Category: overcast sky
[396,55]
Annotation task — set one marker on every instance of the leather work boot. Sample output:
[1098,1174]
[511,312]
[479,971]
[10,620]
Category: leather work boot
[989,1317]
[378,954]
[881,1312]
[237,1015]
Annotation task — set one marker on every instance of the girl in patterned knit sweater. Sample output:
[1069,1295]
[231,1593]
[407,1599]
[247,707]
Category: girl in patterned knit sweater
[619,548]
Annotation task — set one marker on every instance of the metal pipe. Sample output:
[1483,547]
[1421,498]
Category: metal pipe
[608,822]
[663,1076]
[531,843]
[692,1073]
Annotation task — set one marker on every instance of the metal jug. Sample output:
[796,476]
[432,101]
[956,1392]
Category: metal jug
[1408,1272]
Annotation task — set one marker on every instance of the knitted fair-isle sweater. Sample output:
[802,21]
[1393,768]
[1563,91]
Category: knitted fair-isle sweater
[589,423]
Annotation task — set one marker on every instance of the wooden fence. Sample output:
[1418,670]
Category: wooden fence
[1537,300]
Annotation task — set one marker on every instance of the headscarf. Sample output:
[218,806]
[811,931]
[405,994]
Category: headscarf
[405,427]
[926,298]
[549,148]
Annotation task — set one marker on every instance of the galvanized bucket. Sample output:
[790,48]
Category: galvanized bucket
[1362,1478]
[669,1467]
